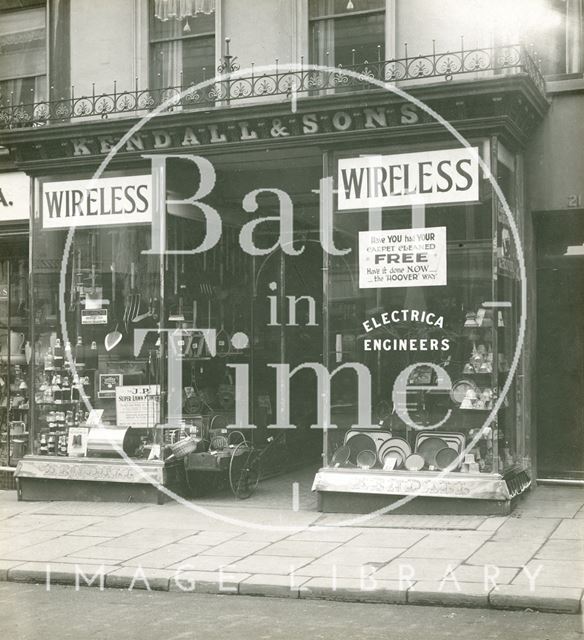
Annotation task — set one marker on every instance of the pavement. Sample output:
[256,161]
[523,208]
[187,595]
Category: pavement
[532,559]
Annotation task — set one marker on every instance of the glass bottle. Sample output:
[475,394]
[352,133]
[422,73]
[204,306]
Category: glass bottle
[49,362]
[58,354]
[91,360]
[80,353]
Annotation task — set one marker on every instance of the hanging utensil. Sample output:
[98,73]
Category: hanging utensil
[113,338]
[223,339]
[133,299]
[136,299]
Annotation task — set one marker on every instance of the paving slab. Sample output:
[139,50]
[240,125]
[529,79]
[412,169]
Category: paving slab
[569,530]
[147,538]
[270,585]
[548,509]
[354,590]
[235,548]
[321,570]
[552,573]
[216,582]
[555,493]
[396,538]
[534,528]
[489,575]
[449,593]
[113,528]
[68,524]
[265,535]
[298,548]
[51,549]
[447,545]
[61,573]
[562,550]
[506,552]
[137,578]
[109,554]
[285,518]
[326,534]
[26,522]
[411,570]
[12,541]
[104,509]
[557,599]
[492,523]
[210,538]
[281,565]
[349,554]
[165,556]
[205,563]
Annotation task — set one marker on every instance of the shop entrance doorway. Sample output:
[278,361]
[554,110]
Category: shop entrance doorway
[273,298]
[560,345]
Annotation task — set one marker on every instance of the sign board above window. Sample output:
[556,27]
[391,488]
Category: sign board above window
[103,202]
[427,177]
[14,196]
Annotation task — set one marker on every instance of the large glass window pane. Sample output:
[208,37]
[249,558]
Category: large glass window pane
[88,350]
[431,353]
[348,41]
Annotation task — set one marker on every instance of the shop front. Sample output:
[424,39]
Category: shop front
[358,300]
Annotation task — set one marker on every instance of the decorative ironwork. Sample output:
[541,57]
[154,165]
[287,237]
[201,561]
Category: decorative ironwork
[472,63]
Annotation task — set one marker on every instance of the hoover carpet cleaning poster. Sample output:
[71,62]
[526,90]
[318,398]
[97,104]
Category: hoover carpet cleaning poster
[402,258]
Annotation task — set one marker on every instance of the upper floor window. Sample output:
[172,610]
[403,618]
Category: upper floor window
[23,52]
[346,32]
[562,52]
[182,42]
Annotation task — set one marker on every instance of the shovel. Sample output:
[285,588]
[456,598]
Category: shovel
[113,338]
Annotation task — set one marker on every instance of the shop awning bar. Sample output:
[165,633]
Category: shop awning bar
[446,67]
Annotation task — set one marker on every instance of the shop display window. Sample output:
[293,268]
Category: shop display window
[94,388]
[15,356]
[438,356]
[123,360]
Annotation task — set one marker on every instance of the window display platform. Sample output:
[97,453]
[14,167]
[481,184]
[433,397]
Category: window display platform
[358,491]
[85,479]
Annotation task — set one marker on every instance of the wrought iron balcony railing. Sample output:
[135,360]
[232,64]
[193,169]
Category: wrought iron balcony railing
[233,85]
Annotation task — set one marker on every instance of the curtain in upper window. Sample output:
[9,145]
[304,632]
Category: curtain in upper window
[182,52]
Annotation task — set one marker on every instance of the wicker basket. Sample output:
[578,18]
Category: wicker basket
[183,447]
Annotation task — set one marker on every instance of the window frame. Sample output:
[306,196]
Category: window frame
[40,5]
[385,11]
[152,41]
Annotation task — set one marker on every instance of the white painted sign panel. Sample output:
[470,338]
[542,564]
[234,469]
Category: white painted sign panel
[427,177]
[101,202]
[14,196]
[402,258]
[138,406]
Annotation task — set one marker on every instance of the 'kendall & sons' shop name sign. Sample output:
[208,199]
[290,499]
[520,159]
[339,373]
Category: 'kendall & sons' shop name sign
[281,127]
